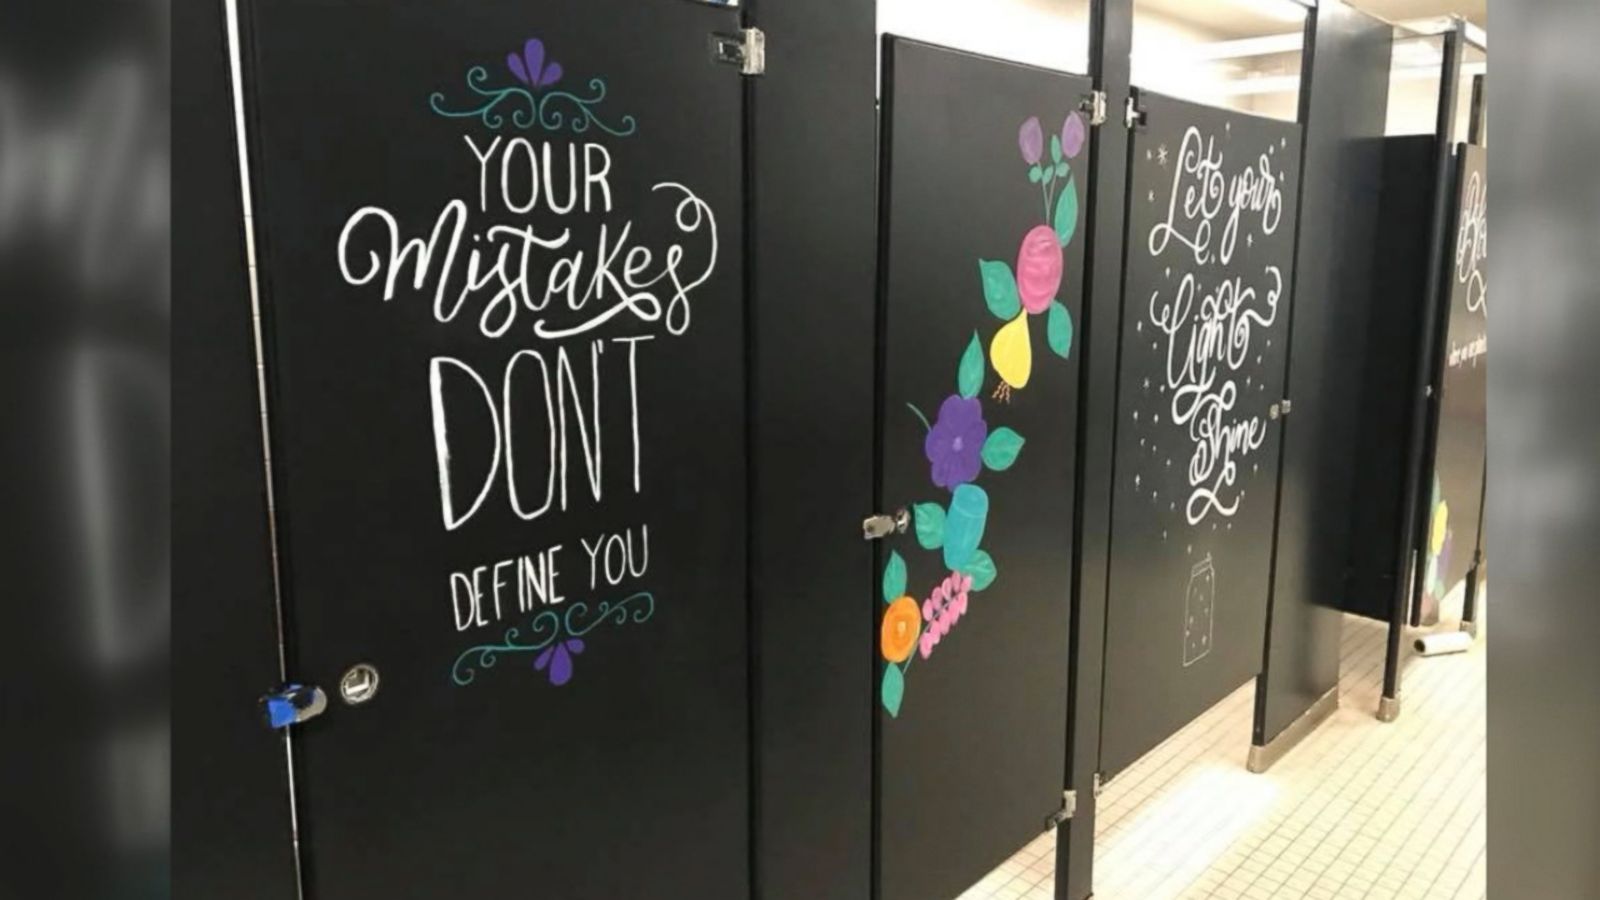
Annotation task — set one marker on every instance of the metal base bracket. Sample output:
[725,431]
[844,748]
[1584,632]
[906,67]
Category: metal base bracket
[1263,756]
[1388,709]
[1470,628]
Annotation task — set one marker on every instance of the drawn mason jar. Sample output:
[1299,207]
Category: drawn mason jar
[1199,612]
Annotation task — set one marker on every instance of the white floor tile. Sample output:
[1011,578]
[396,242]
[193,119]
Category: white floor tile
[1361,809]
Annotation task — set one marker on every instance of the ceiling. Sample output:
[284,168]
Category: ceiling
[1254,18]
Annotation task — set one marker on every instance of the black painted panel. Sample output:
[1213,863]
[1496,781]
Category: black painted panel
[1204,344]
[230,792]
[1391,345]
[582,734]
[1456,481]
[1344,113]
[979,432]
[812,347]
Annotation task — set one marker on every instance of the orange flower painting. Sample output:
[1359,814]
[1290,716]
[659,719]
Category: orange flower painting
[902,624]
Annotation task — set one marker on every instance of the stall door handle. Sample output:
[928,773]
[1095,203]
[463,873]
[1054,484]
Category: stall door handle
[884,524]
[294,704]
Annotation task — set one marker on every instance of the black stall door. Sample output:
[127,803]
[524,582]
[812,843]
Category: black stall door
[1455,486]
[985,168]
[502,267]
[1211,225]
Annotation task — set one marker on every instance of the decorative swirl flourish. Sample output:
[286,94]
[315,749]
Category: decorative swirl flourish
[543,109]
[549,625]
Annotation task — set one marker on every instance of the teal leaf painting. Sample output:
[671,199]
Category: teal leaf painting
[999,289]
[894,689]
[1058,329]
[930,525]
[964,524]
[981,568]
[1034,174]
[969,377]
[1066,218]
[1001,448]
[894,578]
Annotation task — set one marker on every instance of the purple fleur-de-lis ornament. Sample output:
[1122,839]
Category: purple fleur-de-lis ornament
[558,659]
[530,68]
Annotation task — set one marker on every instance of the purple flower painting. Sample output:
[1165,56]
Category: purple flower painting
[954,445]
[558,659]
[530,68]
[1030,140]
[1073,133]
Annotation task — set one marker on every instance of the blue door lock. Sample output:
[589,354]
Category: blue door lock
[293,704]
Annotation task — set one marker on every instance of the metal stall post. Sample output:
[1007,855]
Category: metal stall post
[1345,77]
[809,291]
[1420,444]
[1110,63]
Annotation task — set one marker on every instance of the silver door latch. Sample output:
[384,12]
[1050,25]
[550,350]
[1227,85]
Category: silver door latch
[882,525]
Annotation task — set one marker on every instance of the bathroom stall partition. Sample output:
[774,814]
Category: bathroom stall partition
[1210,271]
[1343,106]
[1450,551]
[984,177]
[231,828]
[502,263]
[1417,520]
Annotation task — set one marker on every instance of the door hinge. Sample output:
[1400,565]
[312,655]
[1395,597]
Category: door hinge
[747,50]
[1097,784]
[884,524]
[1132,115]
[1069,808]
[1093,105]
[1285,406]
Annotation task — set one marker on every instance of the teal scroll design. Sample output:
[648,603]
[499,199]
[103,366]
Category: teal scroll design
[573,621]
[551,110]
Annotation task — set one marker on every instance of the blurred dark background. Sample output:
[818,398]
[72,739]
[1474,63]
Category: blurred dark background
[1544,454]
[84,396]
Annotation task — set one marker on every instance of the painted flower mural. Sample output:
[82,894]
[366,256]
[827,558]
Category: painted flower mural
[961,442]
[1038,269]
[898,635]
[533,101]
[557,658]
[554,636]
[1440,538]
[954,445]
[1030,290]
[529,66]
[943,608]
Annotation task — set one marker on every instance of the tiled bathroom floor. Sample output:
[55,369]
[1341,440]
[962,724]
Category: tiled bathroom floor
[1361,809]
